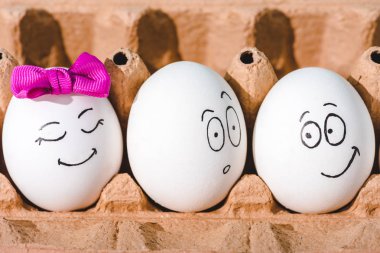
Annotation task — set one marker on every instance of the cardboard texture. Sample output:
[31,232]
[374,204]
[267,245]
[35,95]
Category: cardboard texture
[283,34]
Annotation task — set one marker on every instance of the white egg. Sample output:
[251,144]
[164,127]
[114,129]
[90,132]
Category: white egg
[60,151]
[313,141]
[186,137]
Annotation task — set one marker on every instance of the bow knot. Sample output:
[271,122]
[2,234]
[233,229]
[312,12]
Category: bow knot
[86,76]
[60,81]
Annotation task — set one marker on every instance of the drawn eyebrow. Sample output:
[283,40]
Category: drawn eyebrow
[84,111]
[303,114]
[49,123]
[330,104]
[207,110]
[223,92]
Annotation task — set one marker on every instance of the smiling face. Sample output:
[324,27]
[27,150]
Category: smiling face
[313,141]
[61,150]
[186,137]
[334,133]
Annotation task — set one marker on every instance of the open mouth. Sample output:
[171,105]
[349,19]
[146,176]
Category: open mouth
[226,169]
[94,152]
[356,151]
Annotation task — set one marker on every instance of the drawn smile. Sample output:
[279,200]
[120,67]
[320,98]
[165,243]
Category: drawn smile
[356,151]
[226,169]
[94,152]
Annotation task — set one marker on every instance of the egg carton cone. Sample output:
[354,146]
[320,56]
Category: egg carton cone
[249,42]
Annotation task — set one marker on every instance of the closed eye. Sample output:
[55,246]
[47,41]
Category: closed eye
[100,122]
[40,139]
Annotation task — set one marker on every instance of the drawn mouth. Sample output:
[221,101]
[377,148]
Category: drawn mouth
[356,151]
[94,152]
[226,169]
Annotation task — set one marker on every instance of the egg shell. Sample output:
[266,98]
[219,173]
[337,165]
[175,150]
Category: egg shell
[313,141]
[60,151]
[182,151]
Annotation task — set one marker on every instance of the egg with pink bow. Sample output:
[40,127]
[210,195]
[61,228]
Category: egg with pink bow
[62,140]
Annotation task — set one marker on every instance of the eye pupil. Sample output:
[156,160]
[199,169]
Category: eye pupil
[215,134]
[330,131]
[233,127]
[308,135]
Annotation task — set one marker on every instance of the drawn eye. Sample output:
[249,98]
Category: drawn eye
[311,134]
[40,139]
[335,129]
[233,126]
[215,134]
[100,122]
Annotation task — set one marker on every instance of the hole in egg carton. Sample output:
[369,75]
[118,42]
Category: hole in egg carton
[120,58]
[375,56]
[246,57]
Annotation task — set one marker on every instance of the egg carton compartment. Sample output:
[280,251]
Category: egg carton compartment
[249,220]
[222,34]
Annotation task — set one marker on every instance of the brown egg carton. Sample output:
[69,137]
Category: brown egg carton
[250,220]
[291,33]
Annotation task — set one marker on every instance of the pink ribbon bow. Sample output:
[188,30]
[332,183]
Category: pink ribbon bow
[86,76]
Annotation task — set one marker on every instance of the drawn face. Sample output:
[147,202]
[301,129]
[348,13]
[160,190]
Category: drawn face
[61,150]
[216,135]
[186,137]
[334,132]
[313,141]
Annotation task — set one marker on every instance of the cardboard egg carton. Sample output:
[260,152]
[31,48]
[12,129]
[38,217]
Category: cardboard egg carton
[220,34]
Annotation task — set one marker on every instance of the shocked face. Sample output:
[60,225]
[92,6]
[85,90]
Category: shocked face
[313,141]
[217,130]
[61,150]
[186,137]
